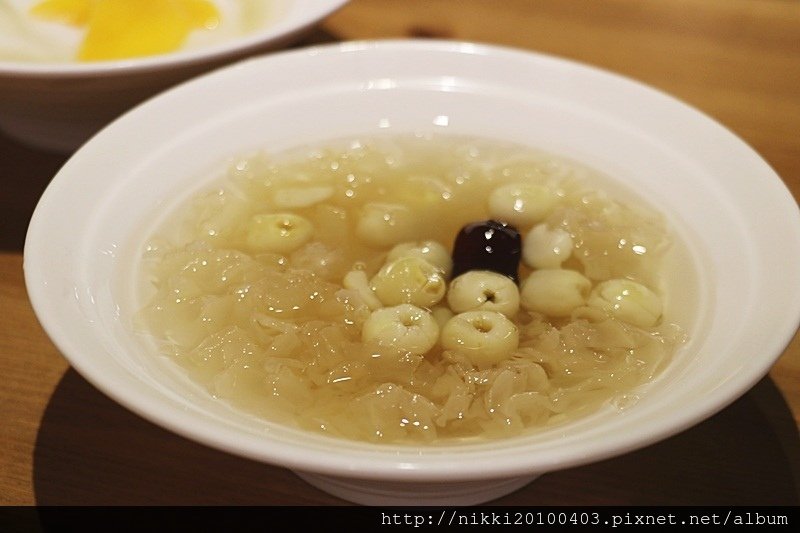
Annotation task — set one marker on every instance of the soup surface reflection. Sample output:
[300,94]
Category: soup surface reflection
[321,288]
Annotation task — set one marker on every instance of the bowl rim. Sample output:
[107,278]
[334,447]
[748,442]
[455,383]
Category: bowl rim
[279,31]
[390,464]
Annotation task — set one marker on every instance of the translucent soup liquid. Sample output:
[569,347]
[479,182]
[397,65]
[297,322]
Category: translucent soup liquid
[316,288]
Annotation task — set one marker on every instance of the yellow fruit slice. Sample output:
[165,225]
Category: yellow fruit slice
[119,29]
[75,12]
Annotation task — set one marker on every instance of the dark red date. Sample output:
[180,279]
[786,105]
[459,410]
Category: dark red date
[488,245]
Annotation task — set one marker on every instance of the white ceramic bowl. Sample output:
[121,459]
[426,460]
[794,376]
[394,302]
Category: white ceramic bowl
[740,224]
[58,106]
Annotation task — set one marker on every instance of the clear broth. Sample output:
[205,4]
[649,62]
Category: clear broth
[279,336]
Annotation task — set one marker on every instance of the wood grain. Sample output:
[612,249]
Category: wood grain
[62,442]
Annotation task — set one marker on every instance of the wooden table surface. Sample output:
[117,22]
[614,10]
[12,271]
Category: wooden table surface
[63,442]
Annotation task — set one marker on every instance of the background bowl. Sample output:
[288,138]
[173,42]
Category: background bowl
[722,200]
[58,106]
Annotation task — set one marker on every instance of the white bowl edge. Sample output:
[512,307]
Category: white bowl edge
[363,461]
